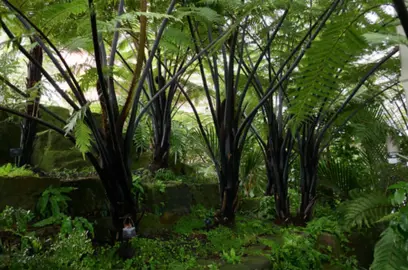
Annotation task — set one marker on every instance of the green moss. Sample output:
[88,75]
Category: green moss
[52,140]
[194,221]
[150,224]
[52,151]
[64,113]
[188,224]
[206,195]
[52,160]
[223,238]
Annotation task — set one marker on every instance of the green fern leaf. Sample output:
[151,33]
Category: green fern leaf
[53,15]
[43,203]
[389,253]
[339,44]
[83,137]
[204,13]
[82,132]
[366,209]
[48,221]
[55,209]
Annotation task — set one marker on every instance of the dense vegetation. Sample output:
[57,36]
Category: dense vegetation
[289,103]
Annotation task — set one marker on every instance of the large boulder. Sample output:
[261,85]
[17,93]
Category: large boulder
[60,111]
[330,244]
[52,152]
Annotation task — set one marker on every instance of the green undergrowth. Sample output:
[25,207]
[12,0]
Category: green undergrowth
[186,245]
[168,175]
[10,170]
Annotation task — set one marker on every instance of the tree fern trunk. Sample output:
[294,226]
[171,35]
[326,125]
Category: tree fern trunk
[161,152]
[229,165]
[229,198]
[29,127]
[161,118]
[309,161]
[117,180]
[278,152]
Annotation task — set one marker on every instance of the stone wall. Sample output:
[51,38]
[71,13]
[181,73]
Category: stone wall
[89,198]
[164,207]
[23,192]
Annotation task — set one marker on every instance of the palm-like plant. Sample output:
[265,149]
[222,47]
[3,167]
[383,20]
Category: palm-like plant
[108,148]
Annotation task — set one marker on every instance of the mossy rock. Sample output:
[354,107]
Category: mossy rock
[52,140]
[206,195]
[23,192]
[62,112]
[52,152]
[327,241]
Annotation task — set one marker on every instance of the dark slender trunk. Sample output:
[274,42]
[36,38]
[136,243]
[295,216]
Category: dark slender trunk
[161,112]
[122,201]
[309,159]
[229,165]
[161,152]
[278,176]
[116,177]
[29,127]
[229,198]
[162,130]
[278,152]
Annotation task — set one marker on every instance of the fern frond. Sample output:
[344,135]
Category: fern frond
[178,141]
[83,137]
[204,13]
[54,15]
[142,137]
[389,252]
[366,209]
[82,132]
[339,44]
[338,176]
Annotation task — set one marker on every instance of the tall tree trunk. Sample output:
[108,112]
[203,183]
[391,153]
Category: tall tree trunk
[161,129]
[161,151]
[117,180]
[278,152]
[229,184]
[277,185]
[309,160]
[229,163]
[161,121]
[28,127]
